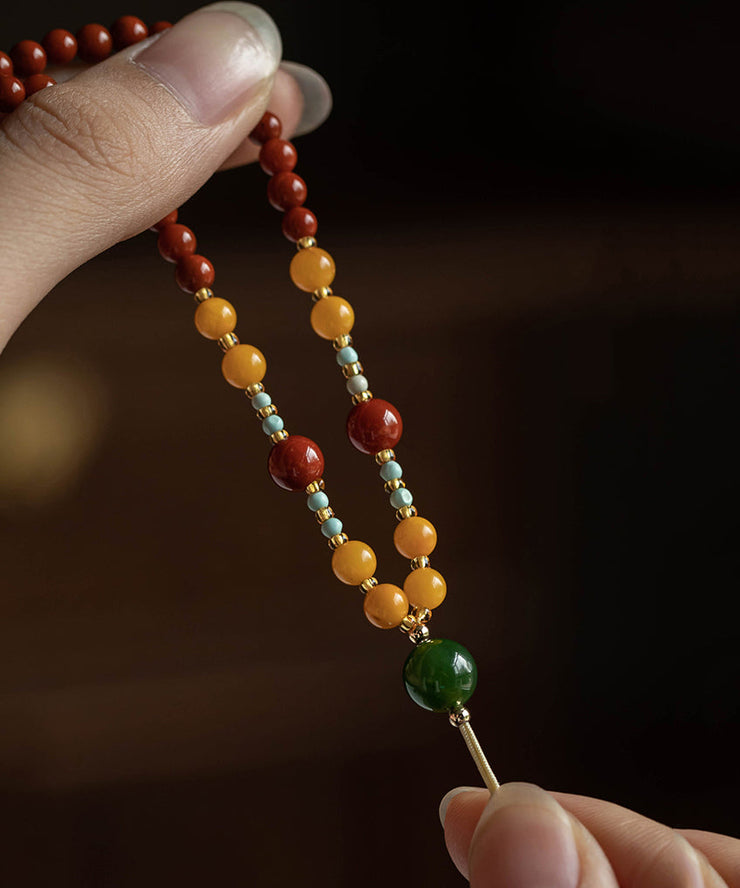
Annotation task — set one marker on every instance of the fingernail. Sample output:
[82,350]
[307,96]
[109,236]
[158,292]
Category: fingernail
[529,842]
[444,804]
[317,100]
[214,60]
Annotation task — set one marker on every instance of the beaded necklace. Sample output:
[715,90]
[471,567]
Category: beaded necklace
[439,674]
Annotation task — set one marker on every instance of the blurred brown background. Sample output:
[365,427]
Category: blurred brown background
[535,213]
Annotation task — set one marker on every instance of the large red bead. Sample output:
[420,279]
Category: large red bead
[60,46]
[278,156]
[175,241]
[286,190]
[299,222]
[193,272]
[165,220]
[37,82]
[28,58]
[6,64]
[295,462]
[374,425]
[128,30]
[94,43]
[269,127]
[12,93]
[159,26]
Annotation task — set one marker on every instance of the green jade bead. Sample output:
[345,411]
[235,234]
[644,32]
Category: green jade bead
[440,675]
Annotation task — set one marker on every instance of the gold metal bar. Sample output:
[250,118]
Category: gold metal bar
[481,762]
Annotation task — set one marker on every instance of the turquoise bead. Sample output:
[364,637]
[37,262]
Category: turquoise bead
[391,470]
[346,355]
[401,497]
[260,400]
[272,424]
[317,501]
[331,527]
[440,675]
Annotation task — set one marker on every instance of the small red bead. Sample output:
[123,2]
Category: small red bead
[28,58]
[127,30]
[374,425]
[175,241]
[269,127]
[6,65]
[193,272]
[286,190]
[37,82]
[295,462]
[278,156]
[12,93]
[60,46]
[299,222]
[157,27]
[167,220]
[94,43]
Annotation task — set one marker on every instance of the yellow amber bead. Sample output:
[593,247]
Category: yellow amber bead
[312,268]
[385,605]
[353,562]
[415,536]
[425,587]
[243,365]
[215,318]
[332,317]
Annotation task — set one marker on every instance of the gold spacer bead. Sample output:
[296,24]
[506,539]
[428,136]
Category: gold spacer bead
[315,486]
[324,514]
[408,623]
[276,437]
[353,369]
[406,512]
[393,484]
[253,390]
[264,412]
[339,539]
[384,456]
[203,294]
[342,342]
[321,293]
[420,561]
[459,717]
[421,614]
[361,397]
[419,634]
[229,340]
[367,585]
[305,242]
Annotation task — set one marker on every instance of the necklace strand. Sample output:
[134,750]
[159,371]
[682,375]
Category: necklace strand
[439,674]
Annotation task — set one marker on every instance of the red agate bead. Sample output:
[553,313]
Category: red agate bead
[374,425]
[193,272]
[37,82]
[94,43]
[164,221]
[6,65]
[295,462]
[299,222]
[175,241]
[12,93]
[278,156]
[60,46]
[127,30]
[286,190]
[269,127]
[159,26]
[28,58]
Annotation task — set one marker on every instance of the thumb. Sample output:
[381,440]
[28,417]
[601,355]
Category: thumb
[99,158]
[520,838]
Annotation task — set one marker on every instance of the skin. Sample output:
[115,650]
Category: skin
[76,178]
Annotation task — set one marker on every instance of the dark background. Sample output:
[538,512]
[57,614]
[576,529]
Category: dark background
[534,210]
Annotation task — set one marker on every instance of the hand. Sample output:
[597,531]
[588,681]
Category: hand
[104,155]
[524,837]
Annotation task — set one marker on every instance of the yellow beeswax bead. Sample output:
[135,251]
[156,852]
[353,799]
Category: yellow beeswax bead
[215,318]
[243,365]
[415,536]
[312,268]
[332,316]
[385,605]
[353,562]
[425,587]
